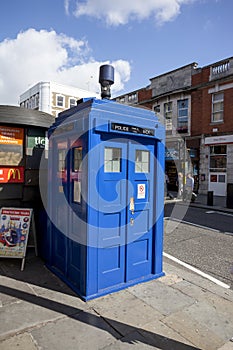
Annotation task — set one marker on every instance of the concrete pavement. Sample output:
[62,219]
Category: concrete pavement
[180,311]
[219,202]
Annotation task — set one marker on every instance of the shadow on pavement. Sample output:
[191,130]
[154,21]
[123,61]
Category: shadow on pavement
[79,315]
[37,274]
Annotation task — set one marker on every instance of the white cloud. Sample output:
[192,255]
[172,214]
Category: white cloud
[47,56]
[121,12]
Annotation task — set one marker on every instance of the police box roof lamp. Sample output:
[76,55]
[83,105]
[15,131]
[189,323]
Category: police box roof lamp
[106,79]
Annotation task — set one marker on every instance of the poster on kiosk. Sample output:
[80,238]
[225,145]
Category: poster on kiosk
[14,232]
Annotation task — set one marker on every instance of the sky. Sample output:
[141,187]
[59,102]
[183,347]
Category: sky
[66,41]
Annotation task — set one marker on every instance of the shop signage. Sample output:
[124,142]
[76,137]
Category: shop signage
[11,136]
[36,141]
[12,175]
[219,139]
[132,129]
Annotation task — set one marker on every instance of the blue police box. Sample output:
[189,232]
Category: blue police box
[105,197]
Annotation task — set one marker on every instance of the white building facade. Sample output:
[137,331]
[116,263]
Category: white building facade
[53,98]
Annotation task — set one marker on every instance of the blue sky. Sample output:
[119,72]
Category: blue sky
[67,40]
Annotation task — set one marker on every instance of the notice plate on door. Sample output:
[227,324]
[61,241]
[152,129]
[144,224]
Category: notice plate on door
[141,192]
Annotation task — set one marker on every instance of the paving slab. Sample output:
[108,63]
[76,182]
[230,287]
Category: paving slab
[12,283]
[133,340]
[197,333]
[158,328]
[203,324]
[143,340]
[23,315]
[227,346]
[83,331]
[215,315]
[125,311]
[161,297]
[170,279]
[62,298]
[19,342]
[189,276]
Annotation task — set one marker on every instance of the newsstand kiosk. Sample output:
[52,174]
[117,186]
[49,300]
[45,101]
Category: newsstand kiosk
[105,197]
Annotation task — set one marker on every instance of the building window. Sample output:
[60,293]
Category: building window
[168,115]
[72,102]
[218,158]
[32,102]
[217,107]
[142,161]
[61,159]
[112,160]
[77,159]
[132,97]
[60,100]
[37,100]
[182,116]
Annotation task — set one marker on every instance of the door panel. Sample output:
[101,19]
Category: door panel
[126,215]
[140,222]
[112,216]
[218,183]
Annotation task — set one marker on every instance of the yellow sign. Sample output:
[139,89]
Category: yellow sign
[12,174]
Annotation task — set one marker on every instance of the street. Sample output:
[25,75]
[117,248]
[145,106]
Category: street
[202,238]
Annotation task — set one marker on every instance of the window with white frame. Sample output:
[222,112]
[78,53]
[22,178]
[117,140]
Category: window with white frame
[182,115]
[72,102]
[217,107]
[168,115]
[142,161]
[60,100]
[112,160]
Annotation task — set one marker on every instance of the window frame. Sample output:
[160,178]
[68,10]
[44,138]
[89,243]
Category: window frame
[218,155]
[75,102]
[113,164]
[167,109]
[219,111]
[182,120]
[142,163]
[63,100]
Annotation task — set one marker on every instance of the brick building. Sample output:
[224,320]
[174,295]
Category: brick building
[196,107]
[212,124]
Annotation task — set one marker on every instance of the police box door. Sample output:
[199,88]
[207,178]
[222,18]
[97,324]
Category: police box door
[125,186]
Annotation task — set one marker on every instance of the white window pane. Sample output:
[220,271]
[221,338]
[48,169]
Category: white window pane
[141,161]
[112,160]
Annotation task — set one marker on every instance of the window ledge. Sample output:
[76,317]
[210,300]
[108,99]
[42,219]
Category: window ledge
[217,123]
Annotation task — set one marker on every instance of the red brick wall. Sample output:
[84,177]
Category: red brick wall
[202,105]
[145,95]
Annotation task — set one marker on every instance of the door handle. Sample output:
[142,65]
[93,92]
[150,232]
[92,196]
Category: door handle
[131,205]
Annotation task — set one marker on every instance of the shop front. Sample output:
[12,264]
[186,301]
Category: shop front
[219,157]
